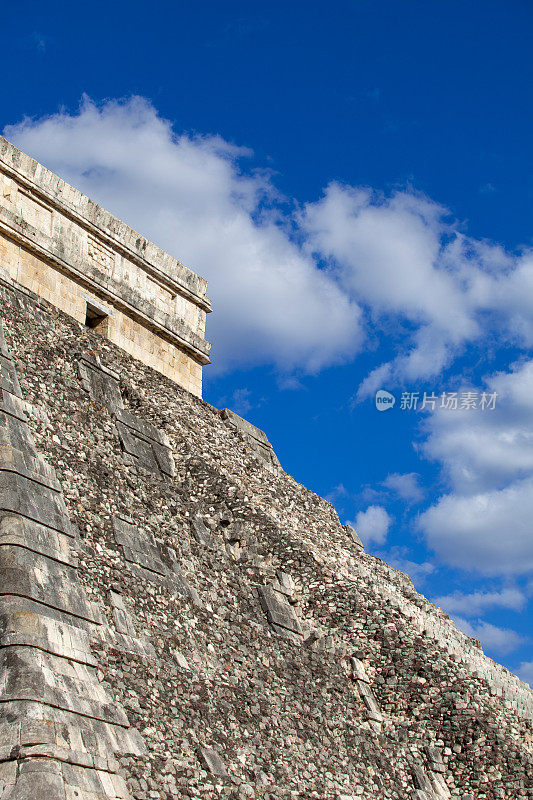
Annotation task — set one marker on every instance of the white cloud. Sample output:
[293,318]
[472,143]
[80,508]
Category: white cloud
[515,387]
[498,640]
[336,493]
[398,266]
[405,485]
[491,532]
[525,672]
[392,255]
[475,603]
[379,378]
[388,252]
[485,523]
[191,195]
[487,450]
[373,524]
[404,259]
[398,557]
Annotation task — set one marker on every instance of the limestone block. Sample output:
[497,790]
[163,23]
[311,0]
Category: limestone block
[36,732]
[284,584]
[372,707]
[36,782]
[143,429]
[13,406]
[421,780]
[18,604]
[22,495]
[137,646]
[434,757]
[278,610]
[8,776]
[22,532]
[80,759]
[138,547]
[12,460]
[18,452]
[201,532]
[212,761]
[28,673]
[147,445]
[121,617]
[255,437]
[354,536]
[8,377]
[286,633]
[180,660]
[144,556]
[101,383]
[439,785]
[358,670]
[10,734]
[75,731]
[27,574]
[45,633]
[4,352]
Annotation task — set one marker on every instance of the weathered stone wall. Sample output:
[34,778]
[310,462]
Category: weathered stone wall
[255,646]
[68,250]
[255,438]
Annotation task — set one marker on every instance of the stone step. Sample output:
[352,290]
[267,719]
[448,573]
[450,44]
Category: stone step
[61,729]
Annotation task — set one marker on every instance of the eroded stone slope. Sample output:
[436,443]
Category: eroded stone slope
[255,646]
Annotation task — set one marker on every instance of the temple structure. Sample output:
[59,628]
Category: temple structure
[180,619]
[65,248]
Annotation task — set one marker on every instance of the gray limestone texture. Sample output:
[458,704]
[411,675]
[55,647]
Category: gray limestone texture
[221,608]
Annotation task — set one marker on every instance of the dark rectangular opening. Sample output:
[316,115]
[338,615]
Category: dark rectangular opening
[96,319]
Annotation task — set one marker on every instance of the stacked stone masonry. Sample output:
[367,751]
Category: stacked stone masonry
[255,438]
[59,729]
[181,620]
[58,243]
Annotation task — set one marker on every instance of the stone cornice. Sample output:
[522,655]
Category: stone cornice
[53,191]
[126,299]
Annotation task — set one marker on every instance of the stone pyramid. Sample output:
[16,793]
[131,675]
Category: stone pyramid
[179,618]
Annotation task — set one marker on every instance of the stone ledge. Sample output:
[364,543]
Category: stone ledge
[21,532]
[47,186]
[256,438]
[124,298]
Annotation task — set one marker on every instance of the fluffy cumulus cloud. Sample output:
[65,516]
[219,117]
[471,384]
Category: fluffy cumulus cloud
[489,531]
[373,524]
[194,196]
[500,641]
[404,259]
[389,253]
[296,289]
[525,671]
[405,485]
[398,557]
[487,450]
[475,603]
[485,521]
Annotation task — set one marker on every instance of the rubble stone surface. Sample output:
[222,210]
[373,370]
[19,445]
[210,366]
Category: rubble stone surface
[192,624]
[57,242]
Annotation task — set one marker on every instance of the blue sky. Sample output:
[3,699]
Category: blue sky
[354,179]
